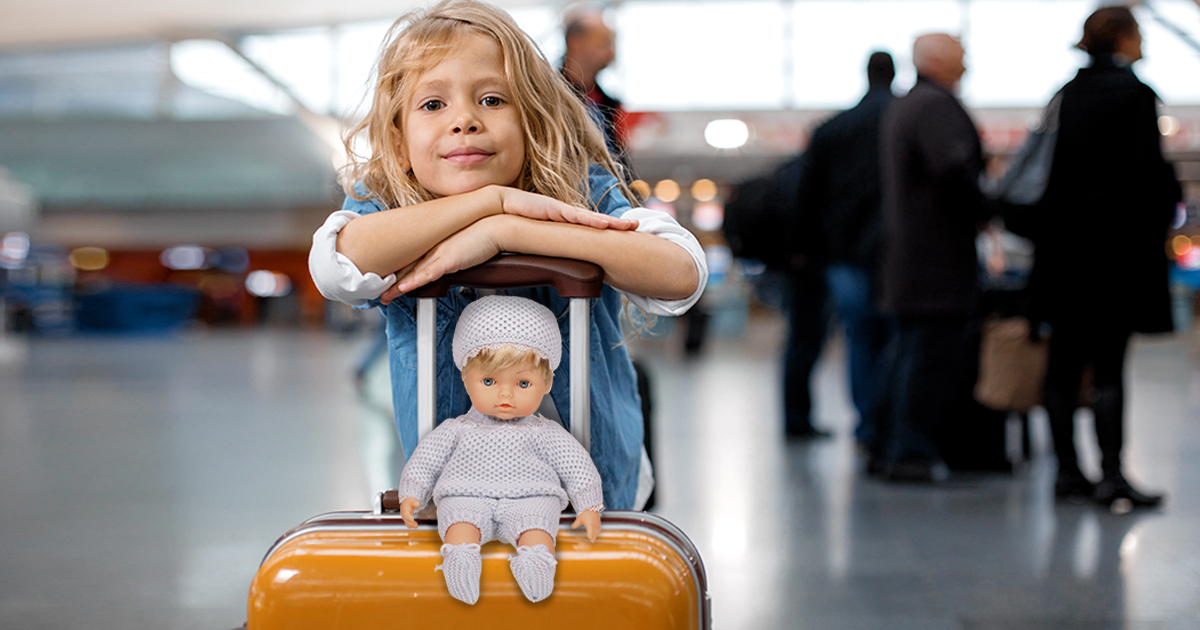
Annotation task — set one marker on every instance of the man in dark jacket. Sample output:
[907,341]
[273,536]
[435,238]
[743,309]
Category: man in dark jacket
[932,205]
[590,48]
[839,194]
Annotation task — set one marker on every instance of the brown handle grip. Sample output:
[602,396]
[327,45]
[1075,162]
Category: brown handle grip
[571,278]
[390,501]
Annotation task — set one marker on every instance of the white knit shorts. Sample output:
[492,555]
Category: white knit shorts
[500,519]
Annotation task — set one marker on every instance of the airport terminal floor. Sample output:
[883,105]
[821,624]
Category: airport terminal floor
[143,478]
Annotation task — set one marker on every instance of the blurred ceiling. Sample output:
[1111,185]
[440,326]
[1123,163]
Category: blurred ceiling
[169,165]
[43,23]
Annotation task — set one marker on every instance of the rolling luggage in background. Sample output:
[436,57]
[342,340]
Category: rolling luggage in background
[356,570]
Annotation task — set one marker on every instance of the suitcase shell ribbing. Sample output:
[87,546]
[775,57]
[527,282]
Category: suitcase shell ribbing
[363,570]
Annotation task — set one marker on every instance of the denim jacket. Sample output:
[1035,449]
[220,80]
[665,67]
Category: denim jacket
[616,417]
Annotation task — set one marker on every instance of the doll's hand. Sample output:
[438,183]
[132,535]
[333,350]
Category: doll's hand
[543,208]
[466,248]
[406,511]
[590,519]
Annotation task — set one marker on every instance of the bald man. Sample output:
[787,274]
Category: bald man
[931,160]
[590,48]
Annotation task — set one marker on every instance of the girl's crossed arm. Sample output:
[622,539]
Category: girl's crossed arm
[385,242]
[634,262]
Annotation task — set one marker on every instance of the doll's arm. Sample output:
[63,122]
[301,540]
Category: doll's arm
[422,470]
[407,506]
[575,469]
[590,520]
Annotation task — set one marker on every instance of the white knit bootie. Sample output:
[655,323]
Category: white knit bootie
[533,567]
[461,567]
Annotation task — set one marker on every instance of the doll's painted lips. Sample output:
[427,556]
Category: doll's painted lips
[467,155]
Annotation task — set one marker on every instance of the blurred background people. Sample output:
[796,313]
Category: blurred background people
[590,48]
[840,192]
[1111,191]
[931,163]
[807,321]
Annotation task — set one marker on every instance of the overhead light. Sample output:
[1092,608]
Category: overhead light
[727,133]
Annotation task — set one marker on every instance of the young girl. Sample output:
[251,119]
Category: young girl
[501,472]
[479,147]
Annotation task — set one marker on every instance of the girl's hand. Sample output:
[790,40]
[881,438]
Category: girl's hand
[466,248]
[543,208]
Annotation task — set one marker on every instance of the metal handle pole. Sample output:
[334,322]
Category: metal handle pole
[581,418]
[426,366]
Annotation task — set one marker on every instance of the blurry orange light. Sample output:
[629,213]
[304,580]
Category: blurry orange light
[89,258]
[1181,245]
[641,188]
[704,190]
[667,190]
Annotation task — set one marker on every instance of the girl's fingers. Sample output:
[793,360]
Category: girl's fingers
[390,294]
[394,291]
[542,208]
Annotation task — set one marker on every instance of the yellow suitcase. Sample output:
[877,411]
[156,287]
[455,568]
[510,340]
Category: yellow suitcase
[362,570]
[355,570]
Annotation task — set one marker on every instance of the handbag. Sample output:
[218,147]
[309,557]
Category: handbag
[1024,183]
[1012,365]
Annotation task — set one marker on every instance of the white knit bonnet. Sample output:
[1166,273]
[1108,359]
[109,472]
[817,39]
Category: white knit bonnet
[495,321]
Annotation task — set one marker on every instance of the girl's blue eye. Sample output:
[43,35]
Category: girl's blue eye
[524,384]
[488,382]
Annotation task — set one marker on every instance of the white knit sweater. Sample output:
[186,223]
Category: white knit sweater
[477,455]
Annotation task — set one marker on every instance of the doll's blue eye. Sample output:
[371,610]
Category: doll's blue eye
[524,384]
[488,382]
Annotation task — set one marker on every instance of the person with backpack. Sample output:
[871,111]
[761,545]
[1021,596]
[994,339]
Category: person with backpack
[764,222]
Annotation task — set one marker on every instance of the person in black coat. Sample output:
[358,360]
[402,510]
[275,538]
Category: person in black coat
[839,194]
[1100,270]
[932,207]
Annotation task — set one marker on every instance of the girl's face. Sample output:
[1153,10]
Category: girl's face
[461,129]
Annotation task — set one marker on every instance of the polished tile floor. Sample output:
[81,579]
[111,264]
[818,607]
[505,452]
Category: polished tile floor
[142,479]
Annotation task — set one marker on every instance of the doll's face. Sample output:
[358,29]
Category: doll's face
[506,393]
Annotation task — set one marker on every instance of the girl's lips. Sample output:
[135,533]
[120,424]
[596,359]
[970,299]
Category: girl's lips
[467,155]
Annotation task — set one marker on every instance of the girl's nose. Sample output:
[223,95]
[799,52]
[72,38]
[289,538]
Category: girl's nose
[466,123]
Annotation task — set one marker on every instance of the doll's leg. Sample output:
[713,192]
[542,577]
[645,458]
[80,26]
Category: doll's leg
[531,524]
[462,532]
[464,523]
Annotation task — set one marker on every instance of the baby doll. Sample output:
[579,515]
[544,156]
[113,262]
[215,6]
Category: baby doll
[501,472]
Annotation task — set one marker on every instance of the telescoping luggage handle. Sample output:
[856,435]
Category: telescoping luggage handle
[574,279]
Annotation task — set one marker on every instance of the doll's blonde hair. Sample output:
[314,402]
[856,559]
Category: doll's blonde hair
[561,138]
[506,356]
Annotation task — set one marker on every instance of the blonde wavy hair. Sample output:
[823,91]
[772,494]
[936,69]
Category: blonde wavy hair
[561,138]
